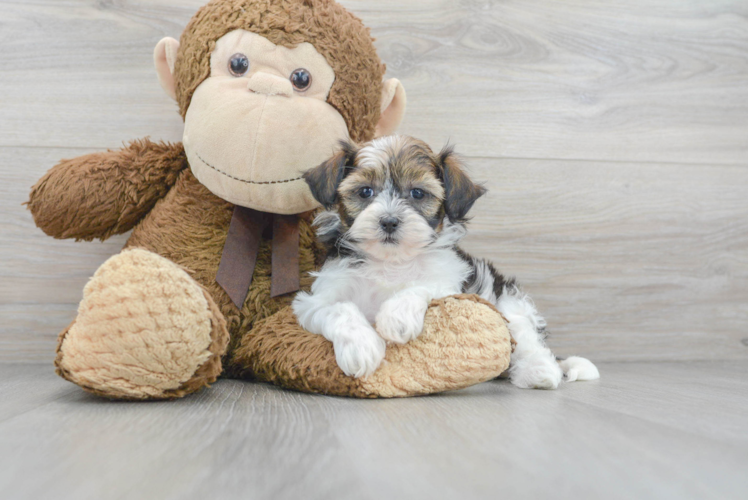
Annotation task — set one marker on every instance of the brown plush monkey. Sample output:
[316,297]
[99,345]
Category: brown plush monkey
[221,223]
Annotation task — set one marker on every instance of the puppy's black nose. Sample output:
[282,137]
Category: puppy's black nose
[389,224]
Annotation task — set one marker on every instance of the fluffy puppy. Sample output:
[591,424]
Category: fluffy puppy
[394,213]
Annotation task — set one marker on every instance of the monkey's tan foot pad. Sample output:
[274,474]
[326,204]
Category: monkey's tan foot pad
[145,330]
[464,342]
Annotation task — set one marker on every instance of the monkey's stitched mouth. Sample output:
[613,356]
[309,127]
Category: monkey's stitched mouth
[284,181]
[270,94]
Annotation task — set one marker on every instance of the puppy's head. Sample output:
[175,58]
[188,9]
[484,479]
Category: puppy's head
[392,197]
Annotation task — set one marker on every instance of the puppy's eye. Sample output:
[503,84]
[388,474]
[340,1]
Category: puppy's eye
[238,65]
[301,79]
[366,192]
[417,194]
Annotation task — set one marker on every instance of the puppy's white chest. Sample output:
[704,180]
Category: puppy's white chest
[389,288]
[374,292]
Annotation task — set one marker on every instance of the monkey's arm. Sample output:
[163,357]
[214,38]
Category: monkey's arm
[103,194]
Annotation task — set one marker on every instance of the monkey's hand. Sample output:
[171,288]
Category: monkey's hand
[103,194]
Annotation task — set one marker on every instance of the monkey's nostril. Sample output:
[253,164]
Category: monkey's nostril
[389,224]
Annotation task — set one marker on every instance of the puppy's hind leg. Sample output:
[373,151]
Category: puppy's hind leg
[533,365]
[576,368]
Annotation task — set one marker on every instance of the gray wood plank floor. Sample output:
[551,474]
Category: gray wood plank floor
[645,430]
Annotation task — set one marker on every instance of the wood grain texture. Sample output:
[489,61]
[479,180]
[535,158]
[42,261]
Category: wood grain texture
[663,81]
[637,80]
[638,252]
[645,431]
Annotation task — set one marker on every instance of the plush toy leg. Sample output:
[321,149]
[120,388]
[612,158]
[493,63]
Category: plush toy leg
[145,330]
[464,341]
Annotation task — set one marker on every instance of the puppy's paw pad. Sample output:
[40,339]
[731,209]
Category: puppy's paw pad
[401,321]
[578,369]
[540,371]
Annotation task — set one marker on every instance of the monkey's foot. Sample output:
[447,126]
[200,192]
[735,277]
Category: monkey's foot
[464,342]
[145,330]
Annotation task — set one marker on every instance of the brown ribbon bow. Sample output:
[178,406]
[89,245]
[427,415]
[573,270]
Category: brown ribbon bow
[242,246]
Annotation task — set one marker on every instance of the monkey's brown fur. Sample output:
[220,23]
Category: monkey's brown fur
[148,187]
[103,194]
[357,90]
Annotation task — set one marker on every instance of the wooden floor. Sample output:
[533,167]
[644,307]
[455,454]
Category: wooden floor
[645,430]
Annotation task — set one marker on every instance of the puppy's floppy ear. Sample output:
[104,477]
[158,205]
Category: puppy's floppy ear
[459,191]
[324,179]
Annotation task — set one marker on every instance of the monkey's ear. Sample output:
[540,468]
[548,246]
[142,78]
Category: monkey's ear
[324,179]
[459,191]
[393,108]
[164,57]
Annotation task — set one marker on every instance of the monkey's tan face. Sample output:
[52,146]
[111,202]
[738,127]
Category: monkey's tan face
[260,121]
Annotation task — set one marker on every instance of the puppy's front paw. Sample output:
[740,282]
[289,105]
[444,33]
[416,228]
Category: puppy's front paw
[537,371]
[360,352]
[400,320]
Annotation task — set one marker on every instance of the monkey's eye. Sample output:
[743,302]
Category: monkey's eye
[417,193]
[301,79]
[238,65]
[366,192]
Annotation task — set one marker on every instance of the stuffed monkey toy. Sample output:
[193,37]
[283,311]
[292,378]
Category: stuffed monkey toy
[221,223]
